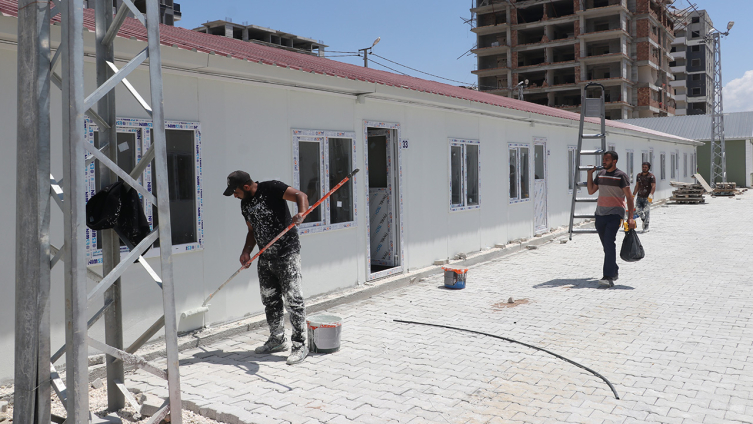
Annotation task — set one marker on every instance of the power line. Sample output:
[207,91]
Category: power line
[385,66]
[413,69]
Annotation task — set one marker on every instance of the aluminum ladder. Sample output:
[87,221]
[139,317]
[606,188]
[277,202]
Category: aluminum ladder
[590,108]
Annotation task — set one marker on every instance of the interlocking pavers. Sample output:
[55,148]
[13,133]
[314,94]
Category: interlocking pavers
[673,337]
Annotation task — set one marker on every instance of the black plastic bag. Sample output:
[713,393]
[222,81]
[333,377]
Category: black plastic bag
[632,249]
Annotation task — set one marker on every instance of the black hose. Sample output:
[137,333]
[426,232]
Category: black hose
[524,344]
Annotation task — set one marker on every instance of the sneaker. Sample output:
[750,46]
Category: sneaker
[272,345]
[298,353]
[606,282]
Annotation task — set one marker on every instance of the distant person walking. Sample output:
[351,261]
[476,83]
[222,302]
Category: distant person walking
[645,185]
[265,209]
[613,186]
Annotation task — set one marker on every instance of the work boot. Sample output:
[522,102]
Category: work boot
[606,282]
[298,353]
[273,344]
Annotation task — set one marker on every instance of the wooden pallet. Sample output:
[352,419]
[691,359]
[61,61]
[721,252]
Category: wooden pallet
[689,201]
[687,196]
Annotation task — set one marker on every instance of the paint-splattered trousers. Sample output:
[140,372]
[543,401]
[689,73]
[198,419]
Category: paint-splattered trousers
[280,283]
[643,208]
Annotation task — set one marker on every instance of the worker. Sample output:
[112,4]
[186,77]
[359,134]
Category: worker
[645,185]
[613,186]
[265,209]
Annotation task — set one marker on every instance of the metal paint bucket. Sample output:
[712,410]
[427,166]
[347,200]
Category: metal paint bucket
[324,333]
[455,278]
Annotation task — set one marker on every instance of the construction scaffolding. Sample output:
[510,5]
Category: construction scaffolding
[35,374]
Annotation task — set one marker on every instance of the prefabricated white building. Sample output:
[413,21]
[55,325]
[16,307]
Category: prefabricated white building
[444,170]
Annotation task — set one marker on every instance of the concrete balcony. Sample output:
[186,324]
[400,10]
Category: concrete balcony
[679,41]
[681,98]
[604,35]
[490,29]
[491,72]
[595,12]
[491,50]
[679,54]
[603,58]
[677,83]
[681,69]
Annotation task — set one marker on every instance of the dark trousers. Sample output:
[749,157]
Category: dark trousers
[280,284]
[607,227]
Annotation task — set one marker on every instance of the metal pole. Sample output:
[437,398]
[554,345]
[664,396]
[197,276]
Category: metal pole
[32,326]
[163,210]
[717,146]
[74,213]
[365,58]
[110,240]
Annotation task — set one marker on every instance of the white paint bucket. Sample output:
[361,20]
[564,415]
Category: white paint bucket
[324,333]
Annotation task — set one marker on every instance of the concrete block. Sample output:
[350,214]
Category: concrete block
[108,419]
[151,404]
[97,384]
[3,406]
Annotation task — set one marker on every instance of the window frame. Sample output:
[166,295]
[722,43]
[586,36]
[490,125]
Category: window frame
[463,144]
[517,147]
[685,165]
[142,127]
[630,161]
[323,136]
[571,166]
[672,164]
[663,165]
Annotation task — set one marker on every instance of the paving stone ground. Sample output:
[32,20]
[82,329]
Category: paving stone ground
[674,337]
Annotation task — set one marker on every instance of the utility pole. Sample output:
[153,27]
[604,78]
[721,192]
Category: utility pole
[718,155]
[366,52]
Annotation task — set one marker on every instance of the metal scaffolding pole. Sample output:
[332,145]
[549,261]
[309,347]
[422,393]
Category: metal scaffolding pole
[74,212]
[110,241]
[718,153]
[32,334]
[35,373]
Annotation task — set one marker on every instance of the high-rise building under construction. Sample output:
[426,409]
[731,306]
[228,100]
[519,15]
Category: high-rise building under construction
[558,46]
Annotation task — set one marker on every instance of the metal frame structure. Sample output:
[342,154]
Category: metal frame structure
[718,153]
[35,374]
[590,107]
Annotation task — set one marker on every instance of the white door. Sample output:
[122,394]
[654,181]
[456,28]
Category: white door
[539,188]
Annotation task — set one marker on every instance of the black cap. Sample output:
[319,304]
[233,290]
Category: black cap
[236,179]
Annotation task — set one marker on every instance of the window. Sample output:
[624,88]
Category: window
[695,62]
[321,159]
[696,91]
[183,142]
[464,174]
[695,19]
[630,165]
[695,48]
[651,157]
[519,173]
[672,164]
[644,158]
[696,77]
[685,165]
[662,164]
[571,167]
[695,34]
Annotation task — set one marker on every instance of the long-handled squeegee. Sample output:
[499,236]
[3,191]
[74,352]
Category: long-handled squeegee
[204,306]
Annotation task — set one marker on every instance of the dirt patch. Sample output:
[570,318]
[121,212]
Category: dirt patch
[506,304]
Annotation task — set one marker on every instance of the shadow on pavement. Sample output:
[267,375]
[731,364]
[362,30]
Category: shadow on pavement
[247,361]
[578,283]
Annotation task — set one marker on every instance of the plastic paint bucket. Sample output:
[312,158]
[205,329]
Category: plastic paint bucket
[454,278]
[324,333]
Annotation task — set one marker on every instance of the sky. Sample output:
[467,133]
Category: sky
[431,36]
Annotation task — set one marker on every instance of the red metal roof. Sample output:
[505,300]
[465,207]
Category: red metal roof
[206,43]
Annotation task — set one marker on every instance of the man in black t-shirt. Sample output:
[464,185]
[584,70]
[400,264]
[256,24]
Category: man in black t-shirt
[265,209]
[645,185]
